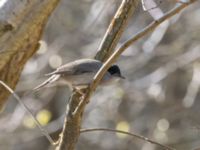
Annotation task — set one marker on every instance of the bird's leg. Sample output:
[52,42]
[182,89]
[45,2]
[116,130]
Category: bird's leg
[80,91]
[83,92]
[81,88]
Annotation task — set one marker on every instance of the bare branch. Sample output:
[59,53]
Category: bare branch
[127,133]
[71,129]
[72,123]
[116,28]
[19,38]
[136,37]
[124,46]
[44,132]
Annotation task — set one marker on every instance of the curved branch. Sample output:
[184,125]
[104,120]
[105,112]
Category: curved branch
[127,133]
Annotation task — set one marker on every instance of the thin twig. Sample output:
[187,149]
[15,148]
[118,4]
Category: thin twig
[44,132]
[127,133]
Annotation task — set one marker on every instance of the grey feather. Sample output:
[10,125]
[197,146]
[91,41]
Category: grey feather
[48,81]
[78,67]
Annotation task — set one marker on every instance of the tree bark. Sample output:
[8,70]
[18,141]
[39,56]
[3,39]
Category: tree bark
[116,28]
[21,26]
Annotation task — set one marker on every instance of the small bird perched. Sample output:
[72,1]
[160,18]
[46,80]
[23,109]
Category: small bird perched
[80,73]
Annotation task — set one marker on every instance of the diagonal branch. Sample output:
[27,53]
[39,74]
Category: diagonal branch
[19,100]
[116,28]
[136,37]
[124,46]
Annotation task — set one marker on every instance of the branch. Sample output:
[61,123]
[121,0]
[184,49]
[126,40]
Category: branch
[71,129]
[44,132]
[72,123]
[19,37]
[124,46]
[116,28]
[127,133]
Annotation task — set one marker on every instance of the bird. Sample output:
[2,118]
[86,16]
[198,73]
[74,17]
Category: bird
[79,74]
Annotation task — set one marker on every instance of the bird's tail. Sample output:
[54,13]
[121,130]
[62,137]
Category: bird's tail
[50,80]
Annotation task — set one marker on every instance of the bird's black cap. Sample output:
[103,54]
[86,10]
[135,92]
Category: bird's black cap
[114,70]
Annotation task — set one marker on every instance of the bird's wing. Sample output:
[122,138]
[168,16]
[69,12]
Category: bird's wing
[78,67]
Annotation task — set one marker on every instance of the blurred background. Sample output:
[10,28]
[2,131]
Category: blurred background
[159,98]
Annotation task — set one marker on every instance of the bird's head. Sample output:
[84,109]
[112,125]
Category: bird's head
[115,71]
